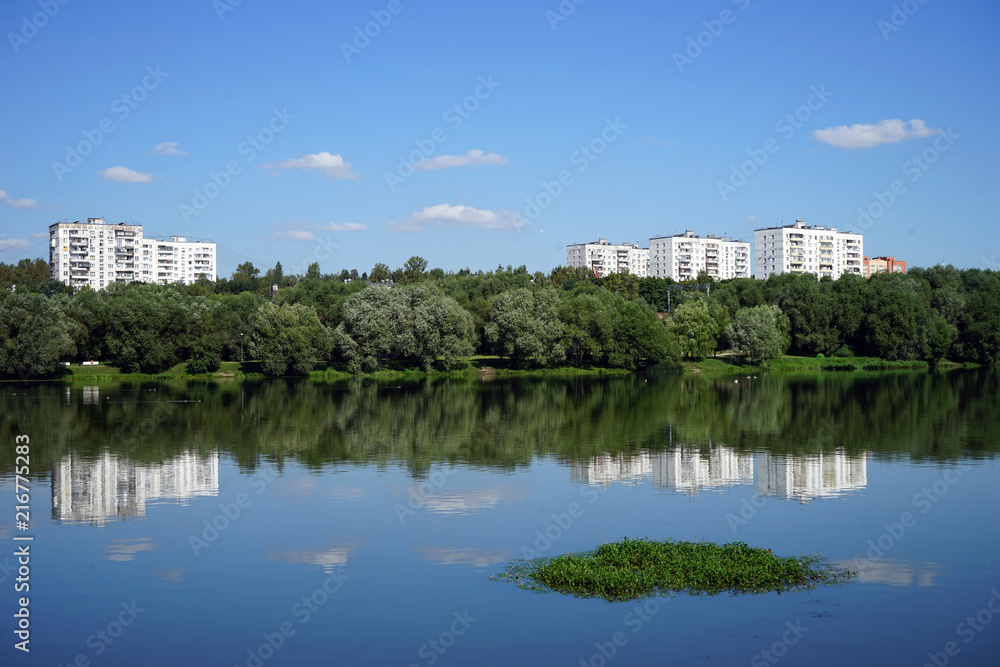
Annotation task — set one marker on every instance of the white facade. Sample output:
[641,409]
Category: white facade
[796,248]
[683,256]
[97,254]
[603,258]
[181,261]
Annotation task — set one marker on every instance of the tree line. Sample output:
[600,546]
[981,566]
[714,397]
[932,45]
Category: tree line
[438,319]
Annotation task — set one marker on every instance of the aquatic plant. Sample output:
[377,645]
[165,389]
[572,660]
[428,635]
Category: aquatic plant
[636,568]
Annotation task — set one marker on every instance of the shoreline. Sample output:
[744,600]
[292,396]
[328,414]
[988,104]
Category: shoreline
[491,367]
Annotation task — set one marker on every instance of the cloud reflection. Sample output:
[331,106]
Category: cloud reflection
[329,559]
[894,572]
[126,550]
[457,556]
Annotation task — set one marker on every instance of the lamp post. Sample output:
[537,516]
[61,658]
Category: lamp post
[241,347]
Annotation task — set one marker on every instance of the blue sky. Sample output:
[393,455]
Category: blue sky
[478,134]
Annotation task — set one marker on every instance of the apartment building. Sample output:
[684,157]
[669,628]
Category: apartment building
[96,254]
[883,265]
[798,248]
[684,256]
[181,261]
[603,258]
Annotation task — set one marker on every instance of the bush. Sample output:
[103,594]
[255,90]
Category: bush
[203,360]
[844,351]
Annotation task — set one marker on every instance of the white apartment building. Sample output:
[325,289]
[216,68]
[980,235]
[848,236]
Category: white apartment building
[97,254]
[796,248]
[603,258]
[683,256]
[181,261]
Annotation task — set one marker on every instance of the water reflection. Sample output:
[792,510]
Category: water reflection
[894,572]
[329,559]
[691,469]
[507,424]
[126,550]
[113,487]
[823,475]
[478,558]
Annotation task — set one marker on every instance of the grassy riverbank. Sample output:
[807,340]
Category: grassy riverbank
[786,363]
[632,569]
[488,367]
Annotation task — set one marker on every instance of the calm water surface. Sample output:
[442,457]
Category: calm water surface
[297,523]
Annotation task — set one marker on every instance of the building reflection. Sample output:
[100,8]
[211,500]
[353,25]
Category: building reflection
[606,469]
[689,469]
[112,487]
[824,475]
[692,469]
[686,469]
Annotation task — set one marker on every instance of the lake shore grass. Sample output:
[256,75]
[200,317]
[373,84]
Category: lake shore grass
[486,367]
[637,568]
[792,364]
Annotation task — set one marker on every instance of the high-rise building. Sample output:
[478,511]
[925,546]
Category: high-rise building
[796,248]
[684,256]
[97,254]
[603,258]
[875,265]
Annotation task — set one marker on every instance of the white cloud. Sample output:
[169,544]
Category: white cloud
[459,216]
[17,203]
[473,158]
[125,175]
[306,231]
[167,148]
[333,166]
[862,135]
[751,218]
[10,244]
[344,227]
[294,235]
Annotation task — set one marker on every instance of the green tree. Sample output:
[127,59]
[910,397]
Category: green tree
[624,285]
[899,323]
[587,324]
[758,333]
[379,273]
[289,336]
[375,324]
[413,271]
[443,331]
[694,328]
[150,326]
[524,326]
[204,359]
[35,335]
[245,272]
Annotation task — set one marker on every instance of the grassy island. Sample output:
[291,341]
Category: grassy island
[636,568]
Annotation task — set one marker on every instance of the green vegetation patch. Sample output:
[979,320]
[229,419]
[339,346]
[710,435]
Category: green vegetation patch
[634,568]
